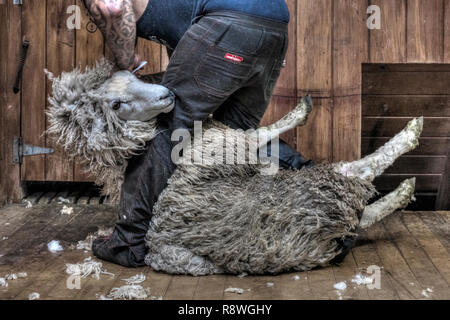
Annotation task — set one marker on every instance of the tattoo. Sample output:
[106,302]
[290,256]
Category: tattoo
[117,22]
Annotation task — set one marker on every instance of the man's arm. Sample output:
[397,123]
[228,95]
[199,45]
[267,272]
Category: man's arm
[117,22]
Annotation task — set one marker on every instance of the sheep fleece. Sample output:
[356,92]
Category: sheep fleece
[236,220]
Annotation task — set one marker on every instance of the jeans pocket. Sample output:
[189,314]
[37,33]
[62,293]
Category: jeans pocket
[221,72]
[242,39]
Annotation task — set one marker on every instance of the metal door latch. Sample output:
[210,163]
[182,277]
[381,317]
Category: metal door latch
[21,150]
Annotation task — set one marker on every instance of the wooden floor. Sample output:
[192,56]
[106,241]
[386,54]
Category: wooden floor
[411,248]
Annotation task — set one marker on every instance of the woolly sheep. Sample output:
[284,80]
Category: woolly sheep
[220,218]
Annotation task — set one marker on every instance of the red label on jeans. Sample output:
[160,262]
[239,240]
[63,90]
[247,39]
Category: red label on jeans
[234,58]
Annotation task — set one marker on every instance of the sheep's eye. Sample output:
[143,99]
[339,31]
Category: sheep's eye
[116,105]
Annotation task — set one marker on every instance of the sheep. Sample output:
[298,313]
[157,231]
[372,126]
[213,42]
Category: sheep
[214,217]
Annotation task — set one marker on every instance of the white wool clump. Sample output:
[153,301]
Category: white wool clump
[66,210]
[340,286]
[34,296]
[86,244]
[139,278]
[426,292]
[3,283]
[54,246]
[86,268]
[63,200]
[296,278]
[270,284]
[235,290]
[359,279]
[28,204]
[129,292]
[15,276]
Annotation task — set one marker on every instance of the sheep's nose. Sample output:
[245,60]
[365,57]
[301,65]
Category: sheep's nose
[167,95]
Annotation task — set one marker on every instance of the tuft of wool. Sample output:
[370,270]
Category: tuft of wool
[88,129]
[359,279]
[3,283]
[54,246]
[139,278]
[234,290]
[129,292]
[34,296]
[15,276]
[86,244]
[86,268]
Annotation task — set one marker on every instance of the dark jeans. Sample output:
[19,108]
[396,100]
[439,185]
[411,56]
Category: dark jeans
[227,65]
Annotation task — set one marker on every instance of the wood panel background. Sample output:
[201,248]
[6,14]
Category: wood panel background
[329,41]
[392,95]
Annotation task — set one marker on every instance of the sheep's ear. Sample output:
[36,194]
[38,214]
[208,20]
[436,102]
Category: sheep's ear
[49,75]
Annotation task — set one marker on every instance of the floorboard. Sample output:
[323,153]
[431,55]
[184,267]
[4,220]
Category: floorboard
[411,250]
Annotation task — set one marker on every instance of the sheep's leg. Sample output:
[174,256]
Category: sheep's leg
[375,164]
[293,119]
[396,200]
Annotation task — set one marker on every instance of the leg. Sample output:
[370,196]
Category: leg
[396,200]
[375,164]
[293,119]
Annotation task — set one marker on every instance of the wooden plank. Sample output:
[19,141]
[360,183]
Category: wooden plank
[443,197]
[164,58]
[388,44]
[34,87]
[315,139]
[10,189]
[314,63]
[427,146]
[437,223]
[434,249]
[389,127]
[286,84]
[60,58]
[181,288]
[406,83]
[406,106]
[350,47]
[345,272]
[89,49]
[424,183]
[347,128]
[404,67]
[366,255]
[289,288]
[322,281]
[210,288]
[149,51]
[416,258]
[418,165]
[425,31]
[401,277]
[447,31]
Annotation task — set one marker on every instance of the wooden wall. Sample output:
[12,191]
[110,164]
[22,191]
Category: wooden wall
[329,41]
[393,94]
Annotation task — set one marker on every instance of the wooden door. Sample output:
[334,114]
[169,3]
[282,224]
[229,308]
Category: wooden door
[59,48]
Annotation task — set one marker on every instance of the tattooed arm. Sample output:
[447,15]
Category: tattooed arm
[117,22]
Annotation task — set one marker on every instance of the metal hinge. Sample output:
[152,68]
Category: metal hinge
[21,150]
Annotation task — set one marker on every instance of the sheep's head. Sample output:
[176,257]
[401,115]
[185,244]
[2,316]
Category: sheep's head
[95,117]
[132,99]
